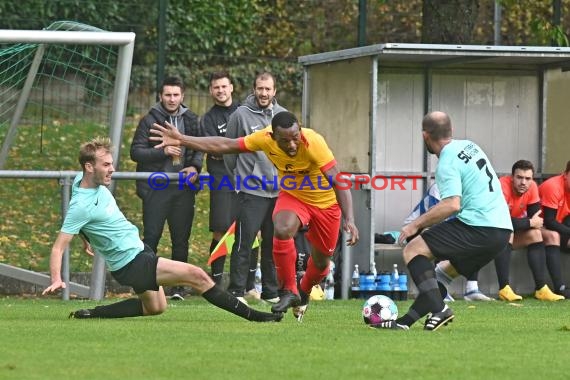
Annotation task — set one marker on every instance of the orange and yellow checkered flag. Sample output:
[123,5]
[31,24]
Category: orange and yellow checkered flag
[224,247]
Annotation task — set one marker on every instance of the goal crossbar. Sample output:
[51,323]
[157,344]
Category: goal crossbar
[66,37]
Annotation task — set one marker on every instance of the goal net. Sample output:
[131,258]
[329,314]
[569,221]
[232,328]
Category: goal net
[66,74]
[71,75]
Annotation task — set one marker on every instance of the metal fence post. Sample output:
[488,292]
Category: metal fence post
[65,183]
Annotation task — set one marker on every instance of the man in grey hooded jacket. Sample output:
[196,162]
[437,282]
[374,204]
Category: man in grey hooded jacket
[256,197]
[169,202]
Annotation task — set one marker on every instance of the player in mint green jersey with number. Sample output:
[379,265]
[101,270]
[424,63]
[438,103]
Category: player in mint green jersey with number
[470,190]
[94,215]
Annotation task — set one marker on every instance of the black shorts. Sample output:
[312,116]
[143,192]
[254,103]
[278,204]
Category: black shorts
[468,248]
[140,273]
[222,213]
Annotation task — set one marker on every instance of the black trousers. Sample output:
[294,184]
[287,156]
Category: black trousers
[175,207]
[253,214]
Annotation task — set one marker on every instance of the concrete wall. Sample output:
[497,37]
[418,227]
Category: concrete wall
[340,110]
[498,112]
[557,130]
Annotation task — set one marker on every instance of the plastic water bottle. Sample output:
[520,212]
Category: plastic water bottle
[329,283]
[374,274]
[395,283]
[395,279]
[355,283]
[257,281]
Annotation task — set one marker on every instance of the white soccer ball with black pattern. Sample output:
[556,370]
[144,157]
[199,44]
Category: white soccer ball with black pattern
[378,309]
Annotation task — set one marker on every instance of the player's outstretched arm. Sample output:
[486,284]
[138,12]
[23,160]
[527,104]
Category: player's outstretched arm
[168,135]
[57,250]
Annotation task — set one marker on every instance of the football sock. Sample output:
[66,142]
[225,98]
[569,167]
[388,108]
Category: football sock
[217,265]
[224,300]
[473,277]
[502,265]
[429,298]
[443,280]
[131,307]
[442,276]
[313,276]
[471,286]
[553,265]
[284,256]
[442,290]
[536,261]
[409,318]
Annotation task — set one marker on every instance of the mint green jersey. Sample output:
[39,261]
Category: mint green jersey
[95,213]
[464,170]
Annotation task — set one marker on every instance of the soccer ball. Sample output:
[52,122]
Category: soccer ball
[378,309]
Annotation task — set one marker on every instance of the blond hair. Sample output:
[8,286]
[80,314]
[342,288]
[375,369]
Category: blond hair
[89,149]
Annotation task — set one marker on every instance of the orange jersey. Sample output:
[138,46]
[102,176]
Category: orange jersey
[301,176]
[553,195]
[518,204]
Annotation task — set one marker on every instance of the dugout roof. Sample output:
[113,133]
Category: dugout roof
[450,55]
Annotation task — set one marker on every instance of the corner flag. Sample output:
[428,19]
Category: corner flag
[224,247]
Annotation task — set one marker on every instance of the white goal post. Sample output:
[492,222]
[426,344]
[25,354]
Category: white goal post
[124,41]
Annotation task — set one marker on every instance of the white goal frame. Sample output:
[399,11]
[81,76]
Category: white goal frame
[125,42]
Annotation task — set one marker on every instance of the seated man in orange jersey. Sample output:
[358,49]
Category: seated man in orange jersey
[555,199]
[521,194]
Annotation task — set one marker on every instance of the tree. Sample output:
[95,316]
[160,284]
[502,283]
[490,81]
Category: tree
[449,21]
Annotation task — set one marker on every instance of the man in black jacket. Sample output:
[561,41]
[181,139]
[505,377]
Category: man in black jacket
[214,123]
[168,201]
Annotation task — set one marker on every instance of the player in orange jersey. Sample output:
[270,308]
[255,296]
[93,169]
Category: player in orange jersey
[521,193]
[555,200]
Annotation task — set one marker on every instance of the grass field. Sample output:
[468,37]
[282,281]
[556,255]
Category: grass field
[194,340]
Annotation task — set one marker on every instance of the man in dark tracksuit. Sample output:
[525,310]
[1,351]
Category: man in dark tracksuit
[254,205]
[168,203]
[214,123]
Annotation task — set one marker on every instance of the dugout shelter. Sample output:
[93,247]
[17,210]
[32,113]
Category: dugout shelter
[368,103]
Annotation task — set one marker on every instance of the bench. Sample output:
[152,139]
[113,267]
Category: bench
[520,275]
